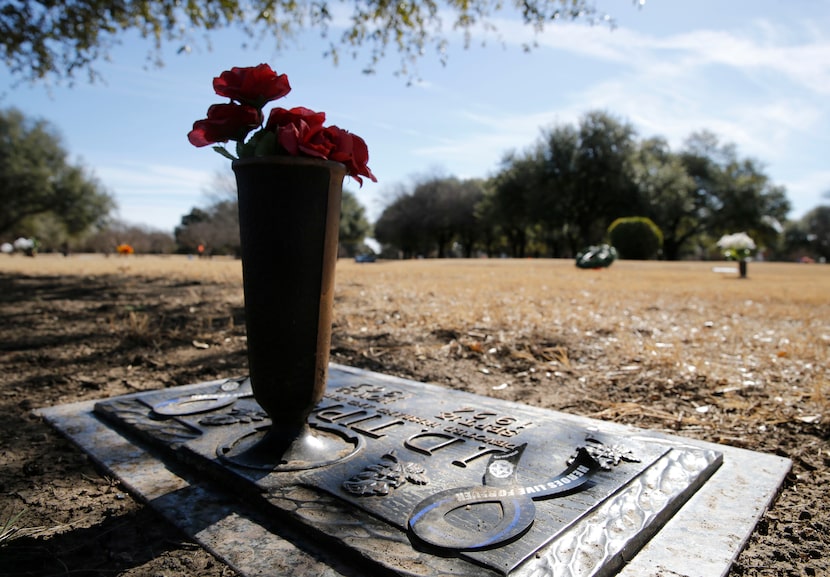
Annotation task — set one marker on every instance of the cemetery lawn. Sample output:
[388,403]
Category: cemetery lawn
[674,347]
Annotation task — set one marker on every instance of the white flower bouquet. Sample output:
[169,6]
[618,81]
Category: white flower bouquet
[737,246]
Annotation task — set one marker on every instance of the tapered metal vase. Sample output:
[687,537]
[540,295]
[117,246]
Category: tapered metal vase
[289,212]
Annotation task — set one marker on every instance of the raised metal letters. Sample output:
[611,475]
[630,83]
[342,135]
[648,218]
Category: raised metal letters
[375,393]
[454,483]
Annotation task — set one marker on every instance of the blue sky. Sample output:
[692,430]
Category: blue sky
[754,72]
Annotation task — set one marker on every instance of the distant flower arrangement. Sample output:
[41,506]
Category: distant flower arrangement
[737,246]
[295,132]
[23,244]
[124,249]
[28,246]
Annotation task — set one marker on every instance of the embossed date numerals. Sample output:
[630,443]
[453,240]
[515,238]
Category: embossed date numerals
[485,421]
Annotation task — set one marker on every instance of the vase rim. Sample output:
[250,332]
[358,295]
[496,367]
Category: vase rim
[293,160]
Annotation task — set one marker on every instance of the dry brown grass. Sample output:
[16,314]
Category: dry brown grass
[680,322]
[174,267]
[667,346]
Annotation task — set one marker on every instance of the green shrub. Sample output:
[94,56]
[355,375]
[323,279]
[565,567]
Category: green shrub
[635,237]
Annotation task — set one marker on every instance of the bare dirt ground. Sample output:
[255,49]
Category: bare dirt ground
[666,346]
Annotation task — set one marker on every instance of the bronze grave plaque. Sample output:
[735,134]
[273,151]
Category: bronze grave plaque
[435,481]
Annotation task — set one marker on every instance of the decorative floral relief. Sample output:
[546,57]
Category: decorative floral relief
[607,456]
[390,473]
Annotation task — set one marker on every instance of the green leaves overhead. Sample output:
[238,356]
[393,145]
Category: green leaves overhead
[43,38]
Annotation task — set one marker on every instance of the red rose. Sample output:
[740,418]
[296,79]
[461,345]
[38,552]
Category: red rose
[352,151]
[252,85]
[298,131]
[225,122]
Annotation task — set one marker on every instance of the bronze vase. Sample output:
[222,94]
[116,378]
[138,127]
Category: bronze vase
[289,213]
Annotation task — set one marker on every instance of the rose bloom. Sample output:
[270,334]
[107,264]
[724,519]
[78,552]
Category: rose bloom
[352,151]
[224,122]
[296,130]
[252,85]
[301,131]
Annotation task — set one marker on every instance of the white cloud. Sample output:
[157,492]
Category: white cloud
[154,180]
[479,149]
[154,194]
[767,95]
[802,55]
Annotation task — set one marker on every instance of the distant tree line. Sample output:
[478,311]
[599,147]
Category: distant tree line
[439,213]
[561,194]
[552,199]
[142,239]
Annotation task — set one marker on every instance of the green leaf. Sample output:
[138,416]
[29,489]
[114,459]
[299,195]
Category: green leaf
[224,152]
[243,149]
[266,144]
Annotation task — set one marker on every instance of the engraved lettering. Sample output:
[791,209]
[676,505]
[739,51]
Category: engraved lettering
[356,419]
[332,415]
[418,442]
[454,415]
[467,460]
[374,393]
[373,432]
[485,421]
[467,434]
[409,418]
[363,417]
[362,404]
